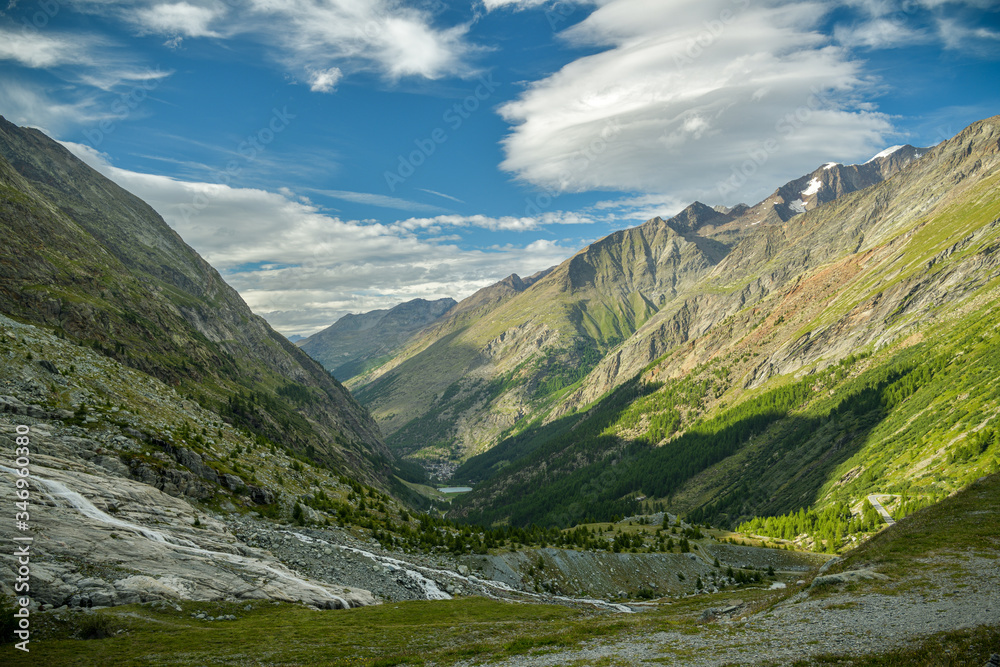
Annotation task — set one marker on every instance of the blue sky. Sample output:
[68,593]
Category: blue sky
[333,156]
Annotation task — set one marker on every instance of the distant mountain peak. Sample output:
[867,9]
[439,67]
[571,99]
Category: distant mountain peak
[514,281]
[353,343]
[828,182]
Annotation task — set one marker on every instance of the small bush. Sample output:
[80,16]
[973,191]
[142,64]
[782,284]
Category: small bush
[8,623]
[100,626]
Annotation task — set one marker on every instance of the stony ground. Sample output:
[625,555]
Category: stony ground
[857,619]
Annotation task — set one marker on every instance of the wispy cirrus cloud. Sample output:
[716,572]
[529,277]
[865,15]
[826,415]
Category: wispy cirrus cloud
[503,223]
[961,36]
[881,33]
[84,76]
[303,269]
[314,39]
[441,194]
[38,50]
[372,199]
[491,5]
[31,104]
[381,35]
[961,25]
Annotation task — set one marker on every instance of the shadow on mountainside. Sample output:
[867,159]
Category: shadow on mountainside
[572,470]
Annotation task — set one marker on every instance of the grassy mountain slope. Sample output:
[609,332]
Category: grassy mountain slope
[355,343]
[97,265]
[848,351]
[512,349]
[509,354]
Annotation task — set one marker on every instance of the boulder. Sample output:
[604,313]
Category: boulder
[231,482]
[847,577]
[11,405]
[48,366]
[828,564]
[261,496]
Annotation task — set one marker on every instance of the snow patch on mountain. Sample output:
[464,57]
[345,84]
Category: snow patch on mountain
[830,165]
[797,205]
[887,152]
[813,187]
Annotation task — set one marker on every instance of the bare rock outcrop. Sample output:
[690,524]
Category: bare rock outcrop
[100,539]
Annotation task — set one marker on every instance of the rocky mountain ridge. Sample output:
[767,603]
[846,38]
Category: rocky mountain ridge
[856,300]
[505,355]
[352,343]
[768,262]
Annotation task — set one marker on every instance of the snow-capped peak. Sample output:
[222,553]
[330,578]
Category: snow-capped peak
[830,165]
[887,152]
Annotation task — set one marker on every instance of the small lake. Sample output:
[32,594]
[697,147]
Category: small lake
[456,489]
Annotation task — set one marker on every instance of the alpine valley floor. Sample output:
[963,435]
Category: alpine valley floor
[923,592]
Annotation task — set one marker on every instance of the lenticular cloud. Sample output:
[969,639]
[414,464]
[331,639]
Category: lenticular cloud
[684,92]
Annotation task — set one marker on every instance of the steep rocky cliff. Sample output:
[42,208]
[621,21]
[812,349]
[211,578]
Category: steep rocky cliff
[793,259]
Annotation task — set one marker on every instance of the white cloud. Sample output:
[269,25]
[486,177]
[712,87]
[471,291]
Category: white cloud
[490,5]
[178,19]
[503,223]
[314,39]
[89,79]
[324,80]
[111,77]
[962,37]
[955,24]
[441,194]
[382,201]
[979,4]
[556,10]
[880,34]
[381,35]
[686,92]
[638,208]
[302,269]
[34,49]
[33,105]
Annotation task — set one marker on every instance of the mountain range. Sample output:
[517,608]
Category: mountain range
[503,356]
[728,362]
[652,364]
[354,343]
